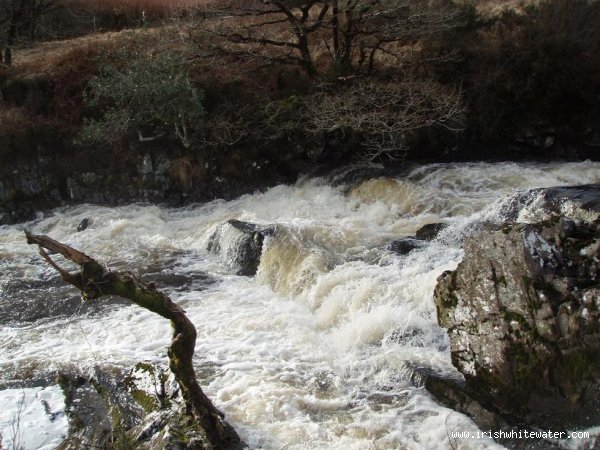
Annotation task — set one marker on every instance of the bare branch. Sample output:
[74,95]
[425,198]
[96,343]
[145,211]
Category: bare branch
[95,281]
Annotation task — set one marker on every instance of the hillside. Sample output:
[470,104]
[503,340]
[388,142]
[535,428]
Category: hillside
[219,100]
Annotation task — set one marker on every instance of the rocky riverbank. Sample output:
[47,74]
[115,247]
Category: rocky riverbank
[522,310]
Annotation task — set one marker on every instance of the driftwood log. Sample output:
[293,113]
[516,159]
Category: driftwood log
[96,281]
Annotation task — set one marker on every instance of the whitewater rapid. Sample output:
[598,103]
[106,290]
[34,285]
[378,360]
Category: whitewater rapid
[314,352]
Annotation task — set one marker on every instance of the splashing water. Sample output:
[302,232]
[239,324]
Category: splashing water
[315,351]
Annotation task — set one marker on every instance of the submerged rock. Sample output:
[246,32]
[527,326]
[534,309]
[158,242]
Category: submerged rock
[83,225]
[405,245]
[430,231]
[426,233]
[523,314]
[239,244]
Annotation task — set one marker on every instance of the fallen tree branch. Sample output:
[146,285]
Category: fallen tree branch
[96,281]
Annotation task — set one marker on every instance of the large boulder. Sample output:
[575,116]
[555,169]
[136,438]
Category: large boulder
[523,315]
[239,244]
[140,408]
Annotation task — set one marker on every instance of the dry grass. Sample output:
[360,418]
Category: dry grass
[152,8]
[46,57]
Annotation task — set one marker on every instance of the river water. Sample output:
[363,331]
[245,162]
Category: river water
[314,352]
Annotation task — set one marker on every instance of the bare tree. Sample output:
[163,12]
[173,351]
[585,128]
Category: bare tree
[385,115]
[362,29]
[285,26]
[352,32]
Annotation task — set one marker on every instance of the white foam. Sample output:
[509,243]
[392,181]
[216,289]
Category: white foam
[32,418]
[312,353]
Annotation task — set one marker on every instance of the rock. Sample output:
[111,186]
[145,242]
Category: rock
[355,174]
[83,224]
[405,245]
[523,311]
[141,408]
[430,231]
[453,393]
[239,244]
[90,422]
[536,205]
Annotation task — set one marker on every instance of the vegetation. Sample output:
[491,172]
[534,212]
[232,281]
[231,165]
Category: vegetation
[529,75]
[142,92]
[261,90]
[339,36]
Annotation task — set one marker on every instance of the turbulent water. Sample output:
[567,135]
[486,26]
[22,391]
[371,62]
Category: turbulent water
[314,352]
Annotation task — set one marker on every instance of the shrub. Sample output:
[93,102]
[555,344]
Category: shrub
[387,116]
[532,69]
[151,95]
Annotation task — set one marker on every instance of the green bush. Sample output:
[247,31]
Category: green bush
[151,95]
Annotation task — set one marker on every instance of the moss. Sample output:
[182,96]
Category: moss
[187,429]
[121,440]
[579,366]
[146,401]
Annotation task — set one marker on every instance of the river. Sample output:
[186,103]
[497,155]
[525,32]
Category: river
[314,352]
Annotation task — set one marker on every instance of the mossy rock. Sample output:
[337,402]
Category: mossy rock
[522,319]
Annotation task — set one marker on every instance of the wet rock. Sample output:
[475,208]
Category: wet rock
[355,174]
[452,392]
[239,244]
[522,311]
[536,205]
[430,231]
[411,336]
[88,413]
[83,224]
[405,245]
[25,300]
[140,408]
[166,280]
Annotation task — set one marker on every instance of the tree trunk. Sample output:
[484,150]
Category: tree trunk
[335,32]
[15,20]
[95,281]
[306,58]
